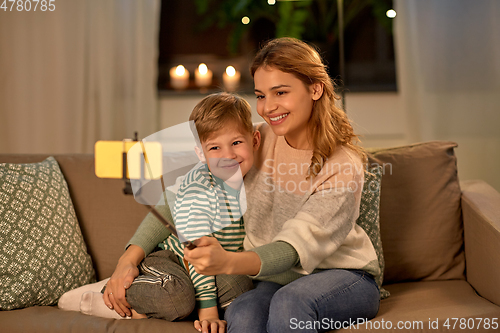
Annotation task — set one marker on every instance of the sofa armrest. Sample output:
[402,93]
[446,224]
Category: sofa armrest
[481,216]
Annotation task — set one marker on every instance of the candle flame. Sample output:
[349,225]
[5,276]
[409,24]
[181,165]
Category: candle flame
[202,69]
[180,70]
[230,71]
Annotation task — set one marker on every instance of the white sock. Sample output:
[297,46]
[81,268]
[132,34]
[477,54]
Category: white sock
[92,303]
[71,300]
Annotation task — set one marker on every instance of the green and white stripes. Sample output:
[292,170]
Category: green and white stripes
[205,206]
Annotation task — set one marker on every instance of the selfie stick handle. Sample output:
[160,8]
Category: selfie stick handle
[153,210]
[169,226]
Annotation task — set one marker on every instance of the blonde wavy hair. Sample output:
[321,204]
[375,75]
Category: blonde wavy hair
[328,125]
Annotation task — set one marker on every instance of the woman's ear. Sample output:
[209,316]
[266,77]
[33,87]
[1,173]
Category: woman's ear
[199,153]
[317,91]
[256,140]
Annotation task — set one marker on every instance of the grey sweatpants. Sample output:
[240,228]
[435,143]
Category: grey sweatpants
[164,289]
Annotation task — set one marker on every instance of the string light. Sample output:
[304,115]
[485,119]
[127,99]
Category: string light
[391,13]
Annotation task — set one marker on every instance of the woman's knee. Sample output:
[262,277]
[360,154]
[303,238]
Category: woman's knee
[249,312]
[240,307]
[287,306]
[291,300]
[310,300]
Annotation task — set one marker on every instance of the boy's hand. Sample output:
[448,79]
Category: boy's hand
[209,321]
[212,325]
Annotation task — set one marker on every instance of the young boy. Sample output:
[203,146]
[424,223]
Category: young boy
[210,202]
[211,199]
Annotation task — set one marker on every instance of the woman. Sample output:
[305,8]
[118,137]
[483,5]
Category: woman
[313,266]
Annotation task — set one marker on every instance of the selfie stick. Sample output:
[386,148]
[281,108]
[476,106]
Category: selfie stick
[128,190]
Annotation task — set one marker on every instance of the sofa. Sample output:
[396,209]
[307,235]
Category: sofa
[440,238]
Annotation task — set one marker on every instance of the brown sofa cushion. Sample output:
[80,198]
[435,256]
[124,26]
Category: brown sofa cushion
[420,214]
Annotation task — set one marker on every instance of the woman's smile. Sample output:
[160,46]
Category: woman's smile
[276,120]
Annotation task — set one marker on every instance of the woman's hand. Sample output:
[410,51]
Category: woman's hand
[125,272]
[208,258]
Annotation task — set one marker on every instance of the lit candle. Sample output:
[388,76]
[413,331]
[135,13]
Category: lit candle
[231,78]
[179,77]
[203,76]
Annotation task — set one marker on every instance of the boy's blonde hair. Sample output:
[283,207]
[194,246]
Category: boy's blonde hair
[214,111]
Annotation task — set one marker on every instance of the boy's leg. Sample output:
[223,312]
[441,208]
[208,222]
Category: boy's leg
[88,300]
[163,289]
[231,286]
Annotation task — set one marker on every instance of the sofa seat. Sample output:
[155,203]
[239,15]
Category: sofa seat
[58,321]
[421,303]
[416,304]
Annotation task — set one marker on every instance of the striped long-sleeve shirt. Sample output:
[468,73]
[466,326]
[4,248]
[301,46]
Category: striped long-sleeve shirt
[205,205]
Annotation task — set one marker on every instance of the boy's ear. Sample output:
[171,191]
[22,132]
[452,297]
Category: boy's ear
[256,140]
[199,153]
[317,91]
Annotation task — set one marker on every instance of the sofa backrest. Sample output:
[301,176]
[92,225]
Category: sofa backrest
[420,213]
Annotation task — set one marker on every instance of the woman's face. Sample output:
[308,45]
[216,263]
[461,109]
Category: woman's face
[286,104]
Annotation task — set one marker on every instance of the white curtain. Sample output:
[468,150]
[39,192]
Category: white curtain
[84,72]
[448,63]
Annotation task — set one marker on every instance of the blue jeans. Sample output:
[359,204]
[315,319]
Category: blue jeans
[314,303]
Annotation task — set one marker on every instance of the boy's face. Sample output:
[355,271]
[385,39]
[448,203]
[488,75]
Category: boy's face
[229,150]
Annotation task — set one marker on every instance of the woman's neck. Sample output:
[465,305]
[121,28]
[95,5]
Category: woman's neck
[301,141]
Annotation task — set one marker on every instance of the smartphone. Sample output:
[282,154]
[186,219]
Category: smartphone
[128,159]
